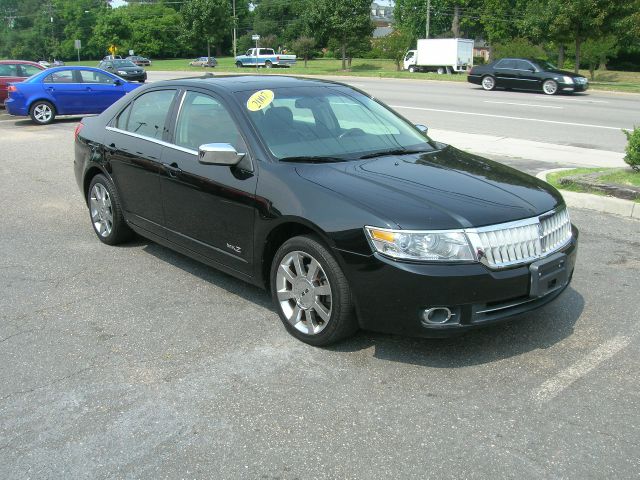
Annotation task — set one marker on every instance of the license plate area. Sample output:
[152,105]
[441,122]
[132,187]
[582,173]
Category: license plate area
[548,275]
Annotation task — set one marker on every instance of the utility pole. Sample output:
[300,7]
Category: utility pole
[428,18]
[235,23]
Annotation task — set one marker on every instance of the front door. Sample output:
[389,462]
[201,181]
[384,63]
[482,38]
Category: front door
[134,144]
[209,209]
[528,78]
[100,90]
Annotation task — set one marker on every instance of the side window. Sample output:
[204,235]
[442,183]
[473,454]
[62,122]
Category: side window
[203,119]
[28,70]
[506,64]
[90,76]
[8,70]
[248,54]
[149,112]
[121,120]
[63,76]
[523,65]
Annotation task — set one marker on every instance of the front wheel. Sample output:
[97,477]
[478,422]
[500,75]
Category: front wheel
[311,293]
[239,64]
[42,112]
[106,212]
[488,83]
[550,87]
[412,69]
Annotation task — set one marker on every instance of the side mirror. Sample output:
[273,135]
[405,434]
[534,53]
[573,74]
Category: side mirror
[219,154]
[422,128]
[531,69]
[117,82]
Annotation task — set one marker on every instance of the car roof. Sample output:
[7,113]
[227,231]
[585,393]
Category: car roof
[238,83]
[74,67]
[21,62]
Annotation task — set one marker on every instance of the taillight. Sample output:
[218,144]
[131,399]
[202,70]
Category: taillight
[76,132]
[277,59]
[12,88]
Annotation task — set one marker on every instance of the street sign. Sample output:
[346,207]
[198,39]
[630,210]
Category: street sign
[255,37]
[77,44]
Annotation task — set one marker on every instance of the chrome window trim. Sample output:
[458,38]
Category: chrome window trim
[153,140]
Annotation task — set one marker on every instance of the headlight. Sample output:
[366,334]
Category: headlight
[121,72]
[567,79]
[442,245]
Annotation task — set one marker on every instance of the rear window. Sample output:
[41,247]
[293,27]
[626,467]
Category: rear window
[506,64]
[149,113]
[63,76]
[28,70]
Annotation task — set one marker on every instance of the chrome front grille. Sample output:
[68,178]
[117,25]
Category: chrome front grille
[522,241]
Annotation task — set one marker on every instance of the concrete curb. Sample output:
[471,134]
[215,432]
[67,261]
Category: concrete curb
[615,206]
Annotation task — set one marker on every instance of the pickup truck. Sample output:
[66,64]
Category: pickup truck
[264,57]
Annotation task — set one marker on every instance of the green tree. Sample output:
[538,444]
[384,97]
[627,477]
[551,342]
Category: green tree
[346,22]
[210,20]
[597,51]
[393,46]
[304,46]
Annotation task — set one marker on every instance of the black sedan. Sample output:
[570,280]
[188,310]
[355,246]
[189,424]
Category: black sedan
[527,74]
[350,215]
[124,69]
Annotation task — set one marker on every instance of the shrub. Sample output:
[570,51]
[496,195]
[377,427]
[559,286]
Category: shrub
[633,148]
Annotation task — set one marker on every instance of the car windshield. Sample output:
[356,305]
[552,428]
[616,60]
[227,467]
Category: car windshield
[123,63]
[332,123]
[544,65]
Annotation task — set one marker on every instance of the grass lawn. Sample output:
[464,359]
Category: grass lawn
[616,176]
[382,68]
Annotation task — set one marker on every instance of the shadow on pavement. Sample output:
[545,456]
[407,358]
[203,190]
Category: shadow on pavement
[540,329]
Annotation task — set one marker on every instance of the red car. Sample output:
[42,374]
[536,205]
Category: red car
[15,71]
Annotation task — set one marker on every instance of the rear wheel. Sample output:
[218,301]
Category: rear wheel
[488,82]
[550,87]
[106,212]
[268,64]
[441,70]
[311,293]
[42,112]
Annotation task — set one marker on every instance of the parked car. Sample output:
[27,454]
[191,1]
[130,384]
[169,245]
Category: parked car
[112,57]
[13,71]
[527,74]
[140,61]
[350,215]
[264,57]
[124,69]
[58,63]
[65,91]
[44,63]
[204,62]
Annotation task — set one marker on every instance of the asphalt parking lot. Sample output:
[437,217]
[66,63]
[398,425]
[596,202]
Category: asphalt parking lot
[137,362]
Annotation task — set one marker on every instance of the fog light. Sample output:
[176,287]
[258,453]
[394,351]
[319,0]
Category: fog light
[436,315]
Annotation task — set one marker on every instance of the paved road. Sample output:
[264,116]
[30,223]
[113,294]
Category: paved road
[591,120]
[136,362]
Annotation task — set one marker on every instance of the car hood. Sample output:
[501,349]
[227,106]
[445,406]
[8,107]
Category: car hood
[565,72]
[443,189]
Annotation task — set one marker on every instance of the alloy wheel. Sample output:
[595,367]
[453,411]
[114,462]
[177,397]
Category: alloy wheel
[101,210]
[550,87]
[304,292]
[488,83]
[42,113]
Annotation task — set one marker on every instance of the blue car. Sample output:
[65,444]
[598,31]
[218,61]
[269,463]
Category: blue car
[65,91]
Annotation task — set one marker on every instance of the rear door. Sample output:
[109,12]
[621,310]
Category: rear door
[506,73]
[67,91]
[100,89]
[209,209]
[134,142]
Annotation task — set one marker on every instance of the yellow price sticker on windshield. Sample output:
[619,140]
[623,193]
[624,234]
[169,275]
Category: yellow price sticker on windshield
[259,100]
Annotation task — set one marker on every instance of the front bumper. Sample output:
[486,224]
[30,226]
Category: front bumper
[391,296]
[574,87]
[140,77]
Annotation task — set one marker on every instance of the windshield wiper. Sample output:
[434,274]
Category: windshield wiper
[312,159]
[398,151]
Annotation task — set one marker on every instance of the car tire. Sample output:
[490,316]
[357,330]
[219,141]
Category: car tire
[488,83]
[42,112]
[268,64]
[412,69]
[550,87]
[105,211]
[316,306]
[239,64]
[441,71]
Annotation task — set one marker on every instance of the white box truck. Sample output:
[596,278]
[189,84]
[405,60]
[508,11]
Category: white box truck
[442,55]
